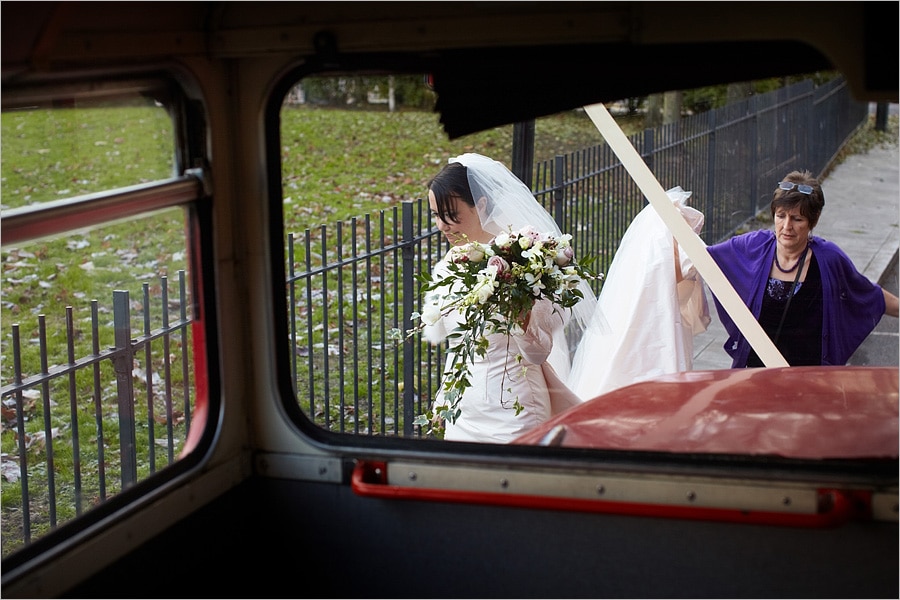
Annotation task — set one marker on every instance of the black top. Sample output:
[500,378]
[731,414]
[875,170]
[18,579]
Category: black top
[800,340]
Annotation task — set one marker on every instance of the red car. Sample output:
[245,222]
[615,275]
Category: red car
[794,412]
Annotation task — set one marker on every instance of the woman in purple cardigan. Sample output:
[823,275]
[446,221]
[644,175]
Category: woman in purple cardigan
[805,291]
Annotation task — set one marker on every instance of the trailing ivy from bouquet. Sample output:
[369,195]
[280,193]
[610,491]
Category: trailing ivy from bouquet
[493,287]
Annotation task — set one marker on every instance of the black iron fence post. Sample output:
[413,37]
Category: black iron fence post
[123,361]
[881,116]
[523,151]
[408,290]
[809,157]
[48,418]
[709,209]
[185,373]
[292,305]
[20,431]
[753,143]
[559,191]
[648,152]
[73,408]
[148,361]
[167,369]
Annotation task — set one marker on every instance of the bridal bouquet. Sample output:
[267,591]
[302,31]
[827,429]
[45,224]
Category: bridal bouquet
[493,287]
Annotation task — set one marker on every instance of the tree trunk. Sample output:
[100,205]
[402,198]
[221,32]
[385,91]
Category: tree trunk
[392,102]
[672,107]
[654,111]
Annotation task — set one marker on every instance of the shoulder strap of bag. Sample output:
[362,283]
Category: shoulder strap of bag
[791,295]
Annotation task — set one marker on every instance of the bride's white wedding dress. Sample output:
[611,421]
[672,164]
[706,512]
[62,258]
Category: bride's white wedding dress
[652,313]
[514,369]
[504,204]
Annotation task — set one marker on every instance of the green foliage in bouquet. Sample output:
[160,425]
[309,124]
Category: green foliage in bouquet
[493,287]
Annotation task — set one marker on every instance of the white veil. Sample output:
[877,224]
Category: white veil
[511,206]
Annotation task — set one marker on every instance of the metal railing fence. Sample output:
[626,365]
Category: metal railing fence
[355,378]
[729,158]
[347,294]
[132,398]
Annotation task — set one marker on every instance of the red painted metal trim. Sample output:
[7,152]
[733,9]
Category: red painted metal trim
[369,479]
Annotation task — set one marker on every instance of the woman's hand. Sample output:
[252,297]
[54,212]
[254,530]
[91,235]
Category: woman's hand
[525,320]
[891,304]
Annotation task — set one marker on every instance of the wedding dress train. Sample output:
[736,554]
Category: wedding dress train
[651,311]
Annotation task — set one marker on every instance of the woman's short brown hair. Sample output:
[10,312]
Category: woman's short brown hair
[805,193]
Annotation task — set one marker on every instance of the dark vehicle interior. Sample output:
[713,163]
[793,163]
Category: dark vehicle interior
[250,514]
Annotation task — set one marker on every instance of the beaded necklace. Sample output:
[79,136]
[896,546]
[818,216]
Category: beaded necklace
[796,264]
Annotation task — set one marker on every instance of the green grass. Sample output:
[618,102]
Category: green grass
[52,154]
[55,154]
[341,164]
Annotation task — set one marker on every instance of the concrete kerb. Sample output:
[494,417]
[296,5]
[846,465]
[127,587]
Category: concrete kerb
[862,212]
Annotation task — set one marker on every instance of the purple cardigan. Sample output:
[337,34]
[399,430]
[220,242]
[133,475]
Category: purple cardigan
[851,304]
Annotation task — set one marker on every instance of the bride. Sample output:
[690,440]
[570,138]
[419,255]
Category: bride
[518,383]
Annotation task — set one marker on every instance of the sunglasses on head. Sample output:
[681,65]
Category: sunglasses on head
[801,187]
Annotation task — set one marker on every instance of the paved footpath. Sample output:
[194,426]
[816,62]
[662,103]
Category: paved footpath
[862,216]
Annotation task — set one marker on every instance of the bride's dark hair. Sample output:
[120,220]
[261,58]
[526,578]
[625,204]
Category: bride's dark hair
[451,182]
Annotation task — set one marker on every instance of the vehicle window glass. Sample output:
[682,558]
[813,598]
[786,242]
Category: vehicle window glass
[97,380]
[54,153]
[357,155]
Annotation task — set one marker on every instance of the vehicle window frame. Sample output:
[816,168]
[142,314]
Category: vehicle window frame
[188,189]
[742,465]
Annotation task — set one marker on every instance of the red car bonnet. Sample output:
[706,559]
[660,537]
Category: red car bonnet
[796,412]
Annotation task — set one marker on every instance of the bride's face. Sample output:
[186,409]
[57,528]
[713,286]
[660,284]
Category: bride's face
[468,225]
